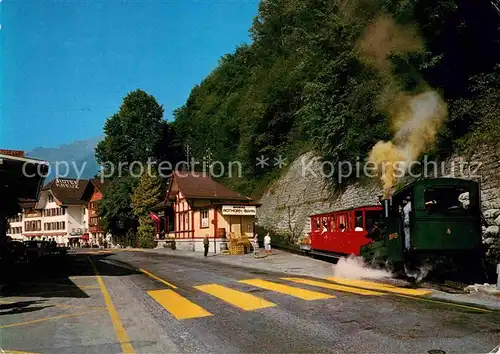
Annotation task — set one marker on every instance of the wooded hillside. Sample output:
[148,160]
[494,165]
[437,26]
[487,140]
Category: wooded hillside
[300,85]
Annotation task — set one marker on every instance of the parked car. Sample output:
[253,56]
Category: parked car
[15,252]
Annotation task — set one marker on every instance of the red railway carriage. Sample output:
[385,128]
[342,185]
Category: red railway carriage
[343,232]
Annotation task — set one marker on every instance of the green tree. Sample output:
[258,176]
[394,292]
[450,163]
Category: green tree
[146,195]
[133,133]
[145,234]
[117,216]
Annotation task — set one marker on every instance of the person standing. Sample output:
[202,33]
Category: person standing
[267,244]
[205,244]
[406,212]
[255,244]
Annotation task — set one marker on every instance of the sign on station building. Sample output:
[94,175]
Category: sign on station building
[239,210]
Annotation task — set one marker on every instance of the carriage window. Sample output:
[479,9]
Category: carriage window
[358,219]
[371,218]
[332,224]
[324,224]
[343,221]
[447,199]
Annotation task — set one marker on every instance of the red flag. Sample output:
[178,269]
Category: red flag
[154,216]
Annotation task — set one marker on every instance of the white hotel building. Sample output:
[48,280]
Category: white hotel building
[60,214]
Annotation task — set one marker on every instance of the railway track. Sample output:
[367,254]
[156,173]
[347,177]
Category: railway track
[452,285]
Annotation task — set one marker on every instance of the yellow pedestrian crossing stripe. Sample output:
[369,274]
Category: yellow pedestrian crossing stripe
[287,290]
[331,286]
[381,287]
[247,302]
[180,307]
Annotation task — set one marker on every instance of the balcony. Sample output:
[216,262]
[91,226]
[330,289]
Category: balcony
[78,231]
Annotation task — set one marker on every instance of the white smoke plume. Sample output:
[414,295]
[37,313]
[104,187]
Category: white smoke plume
[354,268]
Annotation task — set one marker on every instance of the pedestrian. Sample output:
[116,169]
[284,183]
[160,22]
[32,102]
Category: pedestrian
[256,245]
[205,244]
[267,244]
[406,221]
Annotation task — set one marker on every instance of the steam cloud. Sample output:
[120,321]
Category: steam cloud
[354,268]
[415,118]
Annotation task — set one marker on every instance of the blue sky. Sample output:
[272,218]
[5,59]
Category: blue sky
[67,64]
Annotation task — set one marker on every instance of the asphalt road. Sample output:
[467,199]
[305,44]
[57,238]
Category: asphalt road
[150,303]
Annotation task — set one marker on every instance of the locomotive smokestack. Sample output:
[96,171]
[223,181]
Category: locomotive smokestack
[386,203]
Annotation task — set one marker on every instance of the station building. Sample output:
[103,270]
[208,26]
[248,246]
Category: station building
[196,206]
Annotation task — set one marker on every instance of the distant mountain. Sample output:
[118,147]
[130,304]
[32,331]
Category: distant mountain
[77,156]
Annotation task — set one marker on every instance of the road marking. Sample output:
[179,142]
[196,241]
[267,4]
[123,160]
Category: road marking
[287,290]
[47,319]
[247,302]
[180,307]
[89,287]
[78,277]
[479,309]
[321,284]
[121,334]
[6,351]
[80,307]
[158,278]
[68,291]
[378,286]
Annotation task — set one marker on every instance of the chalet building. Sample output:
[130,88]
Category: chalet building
[94,193]
[60,214]
[196,206]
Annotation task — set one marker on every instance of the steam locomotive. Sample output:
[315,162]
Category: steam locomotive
[443,229]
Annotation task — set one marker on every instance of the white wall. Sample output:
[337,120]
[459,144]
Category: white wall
[16,236]
[76,217]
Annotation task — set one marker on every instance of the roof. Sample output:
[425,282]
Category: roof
[197,185]
[101,184]
[435,181]
[363,207]
[27,204]
[23,159]
[94,184]
[161,206]
[21,177]
[68,191]
[18,153]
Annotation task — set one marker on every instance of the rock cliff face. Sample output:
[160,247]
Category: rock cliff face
[303,190]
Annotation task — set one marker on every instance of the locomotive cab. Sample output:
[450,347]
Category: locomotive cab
[430,219]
